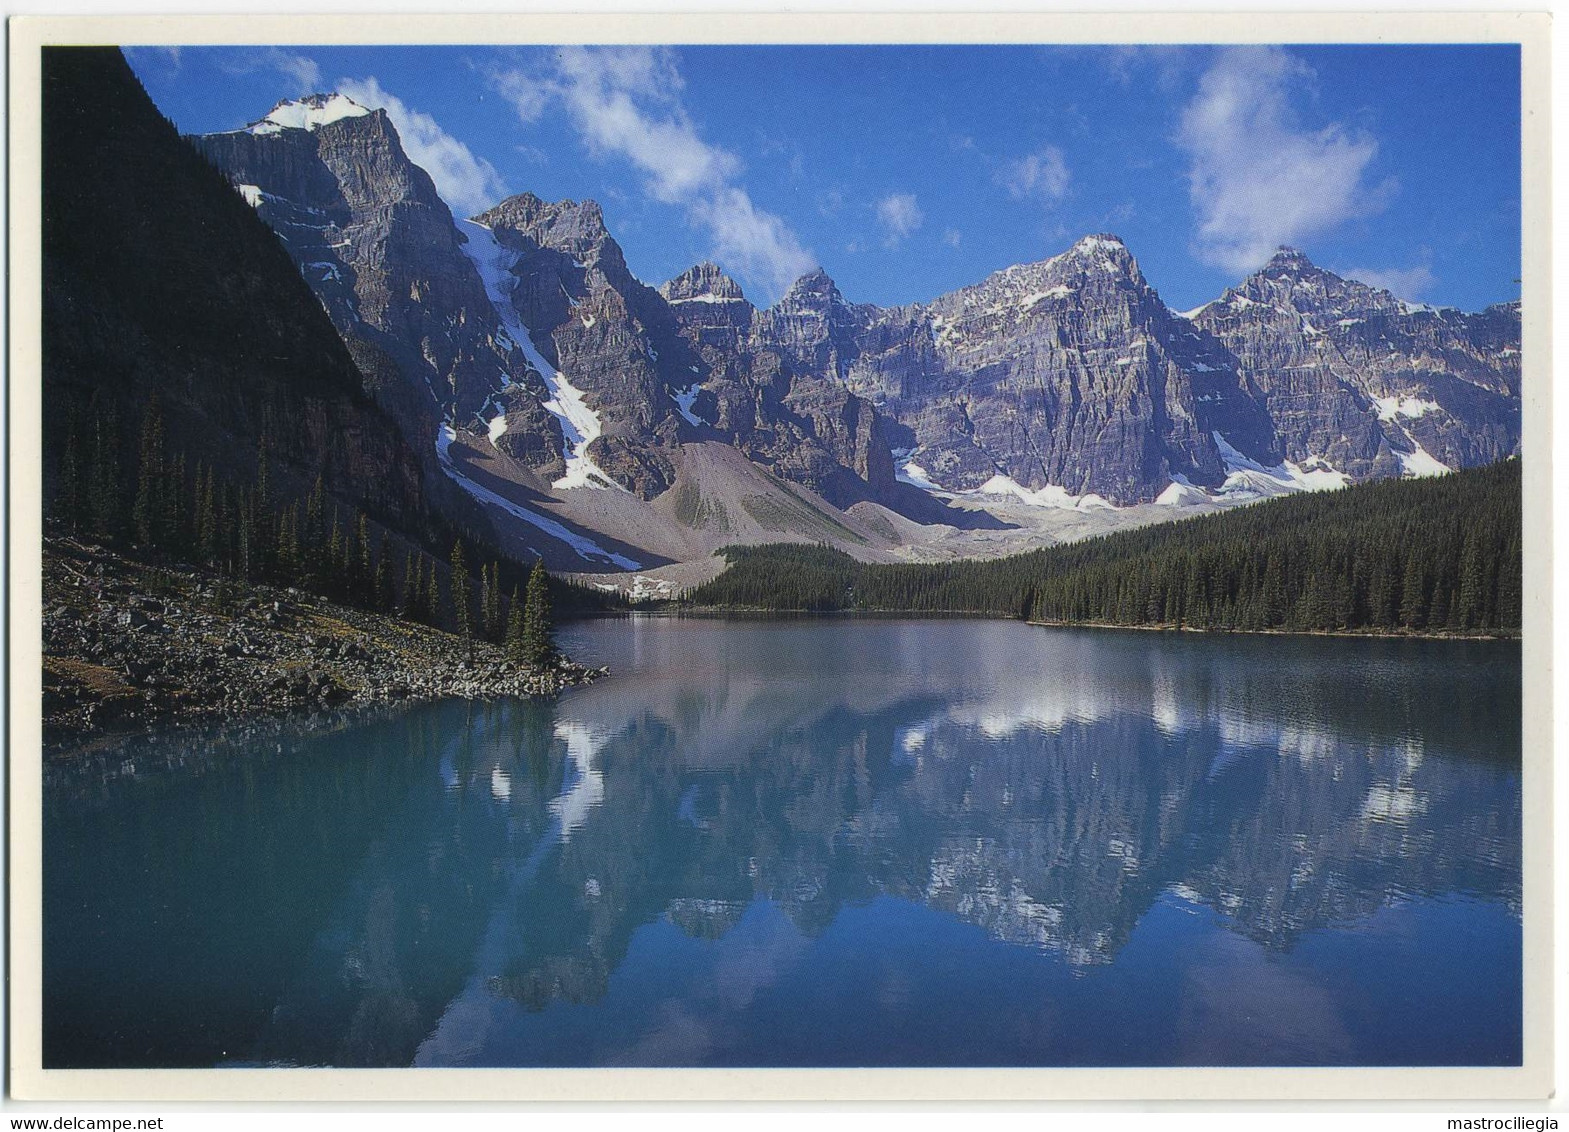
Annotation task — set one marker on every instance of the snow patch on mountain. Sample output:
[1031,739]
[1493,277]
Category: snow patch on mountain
[683,399]
[1048,496]
[579,424]
[1246,476]
[1413,407]
[308,114]
[496,427]
[708,297]
[585,548]
[906,470]
[1422,463]
[1181,493]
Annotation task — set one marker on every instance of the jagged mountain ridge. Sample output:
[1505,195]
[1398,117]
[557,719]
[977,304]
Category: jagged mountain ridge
[1066,382]
[1068,373]
[1390,387]
[379,246]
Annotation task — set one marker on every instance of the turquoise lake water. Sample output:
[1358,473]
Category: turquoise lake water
[820,842]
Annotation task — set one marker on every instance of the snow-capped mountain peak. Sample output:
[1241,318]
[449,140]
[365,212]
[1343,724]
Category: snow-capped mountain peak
[308,113]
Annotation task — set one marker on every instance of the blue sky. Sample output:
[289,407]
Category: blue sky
[909,171]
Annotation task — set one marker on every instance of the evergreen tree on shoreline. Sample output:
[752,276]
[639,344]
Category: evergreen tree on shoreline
[459,586]
[539,644]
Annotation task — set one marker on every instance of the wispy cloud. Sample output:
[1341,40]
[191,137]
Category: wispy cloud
[899,215]
[625,102]
[1142,64]
[1042,176]
[1403,282]
[467,183]
[1258,176]
[301,71]
[952,237]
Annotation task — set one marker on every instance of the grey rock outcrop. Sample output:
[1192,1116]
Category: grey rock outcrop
[378,245]
[776,379]
[1069,373]
[1353,376]
[603,329]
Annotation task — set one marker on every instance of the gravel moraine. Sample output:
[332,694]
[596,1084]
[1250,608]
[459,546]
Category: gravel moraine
[127,646]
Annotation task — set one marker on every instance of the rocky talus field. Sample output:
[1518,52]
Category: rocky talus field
[128,645]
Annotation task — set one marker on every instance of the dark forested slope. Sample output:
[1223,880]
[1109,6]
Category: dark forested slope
[199,408]
[158,277]
[1433,555]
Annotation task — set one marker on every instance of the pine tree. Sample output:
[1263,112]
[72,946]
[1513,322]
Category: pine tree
[460,597]
[315,533]
[365,569]
[484,600]
[334,578]
[259,517]
[514,639]
[104,482]
[493,612]
[288,554]
[432,593]
[384,601]
[312,538]
[207,520]
[408,604]
[180,521]
[146,511]
[539,645]
[1413,602]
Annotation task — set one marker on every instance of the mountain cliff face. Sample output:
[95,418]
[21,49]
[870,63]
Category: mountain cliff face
[600,330]
[158,278]
[776,378]
[1063,383]
[379,247]
[1069,374]
[1371,385]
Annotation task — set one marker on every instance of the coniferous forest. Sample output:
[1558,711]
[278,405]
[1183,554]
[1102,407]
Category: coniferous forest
[157,506]
[1433,556]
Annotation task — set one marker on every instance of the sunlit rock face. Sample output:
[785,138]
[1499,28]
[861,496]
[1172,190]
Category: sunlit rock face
[1367,383]
[1063,382]
[379,247]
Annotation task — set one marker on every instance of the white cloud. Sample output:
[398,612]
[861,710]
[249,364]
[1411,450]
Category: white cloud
[467,183]
[899,215]
[529,96]
[301,70]
[1142,64]
[952,237]
[1042,176]
[1258,177]
[625,103]
[1403,282]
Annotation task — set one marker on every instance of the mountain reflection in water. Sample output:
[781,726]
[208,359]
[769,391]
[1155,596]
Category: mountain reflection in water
[822,842]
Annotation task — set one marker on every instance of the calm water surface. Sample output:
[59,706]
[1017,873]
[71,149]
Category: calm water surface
[821,843]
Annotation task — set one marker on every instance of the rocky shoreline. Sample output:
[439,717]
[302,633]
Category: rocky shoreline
[129,646]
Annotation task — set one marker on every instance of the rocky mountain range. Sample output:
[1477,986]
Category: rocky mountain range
[522,356]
